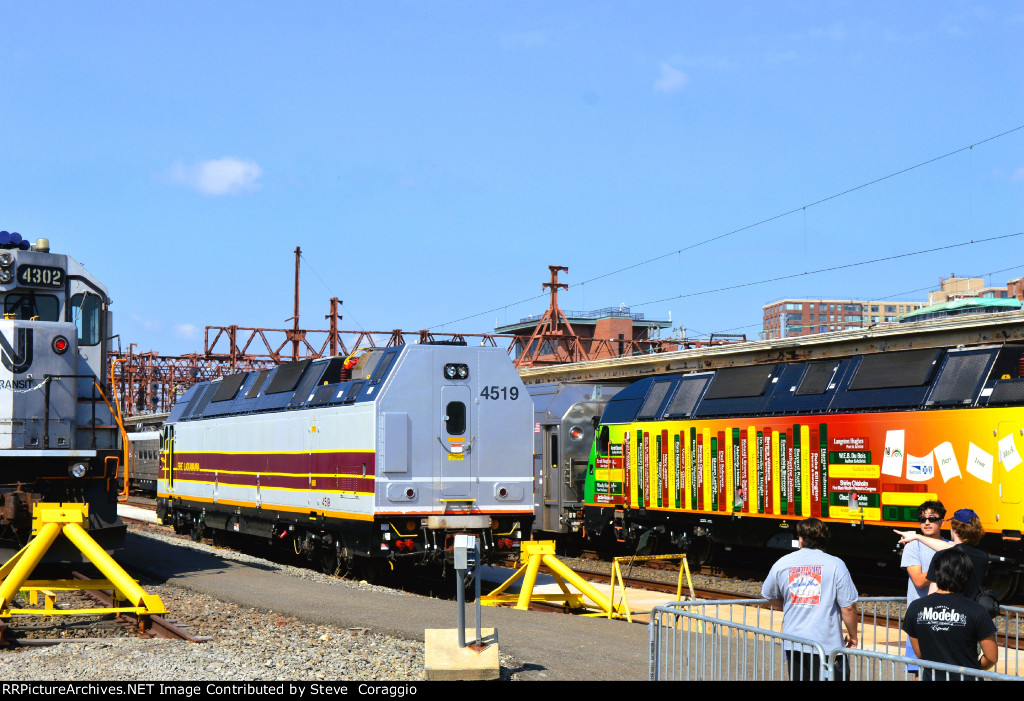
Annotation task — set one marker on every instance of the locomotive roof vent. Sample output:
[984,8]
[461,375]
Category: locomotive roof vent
[43,245]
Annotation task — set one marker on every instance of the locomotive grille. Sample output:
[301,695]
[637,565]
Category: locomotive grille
[255,389]
[654,399]
[687,395]
[960,378]
[733,383]
[817,378]
[287,377]
[228,387]
[902,369]
[1007,392]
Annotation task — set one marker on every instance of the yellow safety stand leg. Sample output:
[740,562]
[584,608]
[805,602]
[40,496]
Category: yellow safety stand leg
[49,521]
[533,554]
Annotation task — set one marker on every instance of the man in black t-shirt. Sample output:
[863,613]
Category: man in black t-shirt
[946,626]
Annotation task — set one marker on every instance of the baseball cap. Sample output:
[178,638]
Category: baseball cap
[964,515]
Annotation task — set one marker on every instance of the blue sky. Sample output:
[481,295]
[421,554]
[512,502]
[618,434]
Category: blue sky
[432,159]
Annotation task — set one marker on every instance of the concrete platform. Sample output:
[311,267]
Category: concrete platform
[136,513]
[446,661]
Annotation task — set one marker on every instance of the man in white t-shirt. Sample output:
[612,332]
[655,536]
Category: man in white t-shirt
[817,598]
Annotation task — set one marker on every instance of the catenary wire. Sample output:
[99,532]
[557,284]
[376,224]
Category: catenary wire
[755,224]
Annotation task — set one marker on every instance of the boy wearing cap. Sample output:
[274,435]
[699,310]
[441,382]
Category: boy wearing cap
[967,531]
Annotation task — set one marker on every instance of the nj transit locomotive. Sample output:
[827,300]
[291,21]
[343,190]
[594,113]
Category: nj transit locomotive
[422,442]
[58,438]
[736,456]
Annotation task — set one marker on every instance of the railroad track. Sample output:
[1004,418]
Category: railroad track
[142,626]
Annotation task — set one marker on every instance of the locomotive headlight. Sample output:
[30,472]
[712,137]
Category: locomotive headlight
[576,433]
[463,371]
[454,371]
[78,470]
[6,275]
[450,371]
[59,345]
[6,260]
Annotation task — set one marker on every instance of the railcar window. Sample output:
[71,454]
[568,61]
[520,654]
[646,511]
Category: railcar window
[85,312]
[455,418]
[602,441]
[27,305]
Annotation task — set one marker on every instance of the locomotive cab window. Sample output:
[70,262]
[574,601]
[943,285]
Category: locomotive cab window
[29,304]
[85,312]
[602,441]
[455,418]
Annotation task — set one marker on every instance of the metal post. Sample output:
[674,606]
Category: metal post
[476,590]
[460,597]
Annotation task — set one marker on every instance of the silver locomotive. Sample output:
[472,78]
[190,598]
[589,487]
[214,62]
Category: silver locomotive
[58,435]
[386,460]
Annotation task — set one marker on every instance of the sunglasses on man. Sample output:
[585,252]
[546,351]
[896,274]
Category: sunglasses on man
[930,519]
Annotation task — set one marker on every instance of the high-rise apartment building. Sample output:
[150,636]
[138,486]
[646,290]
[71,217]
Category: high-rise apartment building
[787,318]
[803,317]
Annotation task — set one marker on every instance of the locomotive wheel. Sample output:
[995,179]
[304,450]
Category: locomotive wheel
[1003,584]
[330,563]
[196,533]
[219,537]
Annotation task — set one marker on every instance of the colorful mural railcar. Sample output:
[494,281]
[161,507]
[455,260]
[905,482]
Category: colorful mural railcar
[381,462]
[738,455]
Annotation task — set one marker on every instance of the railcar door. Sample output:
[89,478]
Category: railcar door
[1009,475]
[456,439]
[551,489]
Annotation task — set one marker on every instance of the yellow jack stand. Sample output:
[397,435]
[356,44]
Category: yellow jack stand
[532,554]
[49,521]
[684,567]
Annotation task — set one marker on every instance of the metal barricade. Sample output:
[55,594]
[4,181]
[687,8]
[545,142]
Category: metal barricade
[1009,623]
[688,646]
[868,665]
[742,639]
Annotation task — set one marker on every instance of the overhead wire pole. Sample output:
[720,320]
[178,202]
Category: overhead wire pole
[295,324]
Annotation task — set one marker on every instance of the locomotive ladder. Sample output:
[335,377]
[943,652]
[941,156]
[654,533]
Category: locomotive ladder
[49,520]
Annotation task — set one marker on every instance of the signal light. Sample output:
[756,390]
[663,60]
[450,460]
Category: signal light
[60,345]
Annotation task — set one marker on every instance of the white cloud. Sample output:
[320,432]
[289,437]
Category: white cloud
[671,80]
[188,332]
[224,176]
